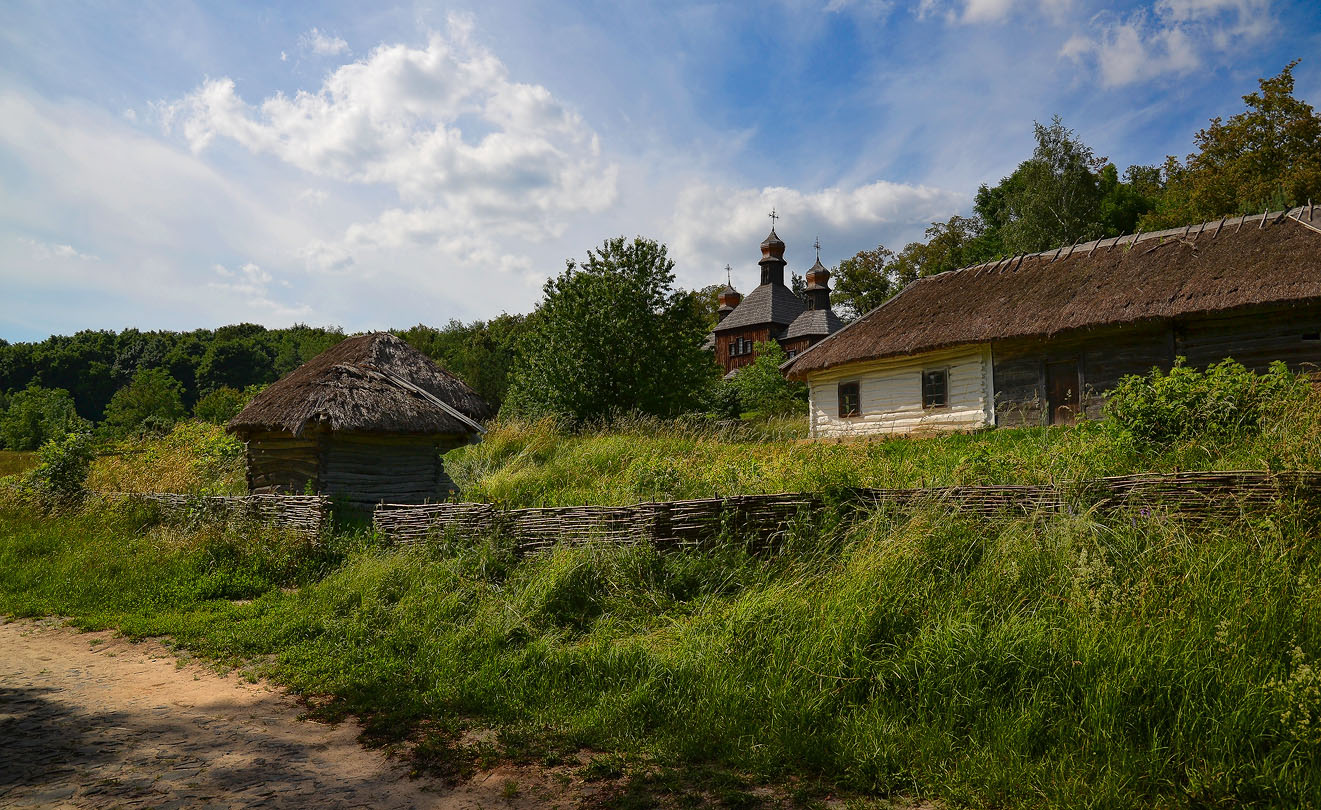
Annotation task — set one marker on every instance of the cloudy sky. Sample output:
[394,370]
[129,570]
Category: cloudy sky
[174,165]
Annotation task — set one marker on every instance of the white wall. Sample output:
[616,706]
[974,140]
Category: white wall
[891,395]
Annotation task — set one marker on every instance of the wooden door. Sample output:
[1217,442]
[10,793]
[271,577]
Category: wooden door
[1062,392]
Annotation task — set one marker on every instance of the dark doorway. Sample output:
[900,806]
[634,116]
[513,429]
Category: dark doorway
[1062,392]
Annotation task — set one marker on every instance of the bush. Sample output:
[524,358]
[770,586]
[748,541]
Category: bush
[1226,399]
[224,403]
[153,401]
[36,415]
[761,387]
[63,466]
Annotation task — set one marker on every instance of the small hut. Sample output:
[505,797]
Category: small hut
[365,421]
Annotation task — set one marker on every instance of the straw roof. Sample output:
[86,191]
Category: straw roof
[1262,260]
[374,383]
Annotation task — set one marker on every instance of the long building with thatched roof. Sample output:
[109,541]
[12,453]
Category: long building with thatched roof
[365,421]
[1039,339]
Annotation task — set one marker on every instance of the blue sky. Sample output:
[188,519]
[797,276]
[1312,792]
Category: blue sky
[175,165]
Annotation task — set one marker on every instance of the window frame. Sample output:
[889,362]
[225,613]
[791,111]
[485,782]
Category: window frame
[856,389]
[943,371]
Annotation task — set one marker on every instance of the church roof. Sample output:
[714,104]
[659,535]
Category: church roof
[814,322]
[768,304]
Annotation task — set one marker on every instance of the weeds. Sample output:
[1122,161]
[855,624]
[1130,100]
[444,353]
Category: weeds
[1045,661]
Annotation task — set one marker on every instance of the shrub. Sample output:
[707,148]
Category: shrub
[761,387]
[224,403]
[153,401]
[36,415]
[63,466]
[1226,399]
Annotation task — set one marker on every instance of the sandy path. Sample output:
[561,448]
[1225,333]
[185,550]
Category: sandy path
[118,724]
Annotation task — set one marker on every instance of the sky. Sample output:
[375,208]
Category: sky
[179,165]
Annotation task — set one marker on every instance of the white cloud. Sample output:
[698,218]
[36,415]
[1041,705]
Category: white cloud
[1173,37]
[713,225]
[250,285]
[464,147]
[45,251]
[320,43]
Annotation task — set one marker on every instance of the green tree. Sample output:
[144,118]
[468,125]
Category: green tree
[763,390]
[1058,197]
[613,335]
[223,404]
[236,362]
[1268,156]
[480,353]
[36,415]
[153,399]
[863,282]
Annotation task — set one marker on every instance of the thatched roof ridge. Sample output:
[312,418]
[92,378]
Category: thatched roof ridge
[373,383]
[1232,263]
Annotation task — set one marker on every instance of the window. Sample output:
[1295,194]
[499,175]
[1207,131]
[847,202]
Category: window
[849,401]
[935,388]
[793,353]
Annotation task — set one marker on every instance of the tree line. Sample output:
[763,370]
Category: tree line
[613,334]
[1267,156]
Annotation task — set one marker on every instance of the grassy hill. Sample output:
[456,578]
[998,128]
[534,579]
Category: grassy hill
[1054,660]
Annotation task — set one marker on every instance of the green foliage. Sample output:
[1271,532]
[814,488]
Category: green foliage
[152,401]
[224,403]
[62,467]
[1226,399]
[763,389]
[1263,157]
[612,335]
[36,415]
[93,365]
[863,282]
[1048,661]
[480,353]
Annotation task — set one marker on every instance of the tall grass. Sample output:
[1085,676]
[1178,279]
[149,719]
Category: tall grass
[1067,661]
[16,462]
[194,458]
[543,464]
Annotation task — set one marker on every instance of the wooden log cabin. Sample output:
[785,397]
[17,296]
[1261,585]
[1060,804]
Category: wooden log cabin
[365,422]
[1040,339]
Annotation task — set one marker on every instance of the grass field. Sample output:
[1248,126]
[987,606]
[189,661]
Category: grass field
[1060,662]
[16,462]
[1056,660]
[536,464]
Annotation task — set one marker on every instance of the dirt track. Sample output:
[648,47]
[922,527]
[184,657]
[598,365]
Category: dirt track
[88,720]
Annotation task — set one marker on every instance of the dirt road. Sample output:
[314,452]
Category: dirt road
[88,720]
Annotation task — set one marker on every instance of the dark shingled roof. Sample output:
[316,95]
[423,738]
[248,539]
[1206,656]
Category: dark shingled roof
[769,303]
[373,383]
[814,322]
[1270,259]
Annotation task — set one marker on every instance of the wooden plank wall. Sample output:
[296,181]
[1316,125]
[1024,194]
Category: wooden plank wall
[1255,339]
[280,463]
[369,469]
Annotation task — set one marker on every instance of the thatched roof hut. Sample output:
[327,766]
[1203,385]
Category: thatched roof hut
[1041,339]
[365,420]
[1213,267]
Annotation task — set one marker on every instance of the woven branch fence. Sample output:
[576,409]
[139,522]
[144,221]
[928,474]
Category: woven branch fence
[688,523]
[307,514]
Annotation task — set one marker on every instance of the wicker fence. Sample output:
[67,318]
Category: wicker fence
[686,523]
[303,513]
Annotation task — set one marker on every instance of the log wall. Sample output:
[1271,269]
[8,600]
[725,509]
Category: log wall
[1255,339]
